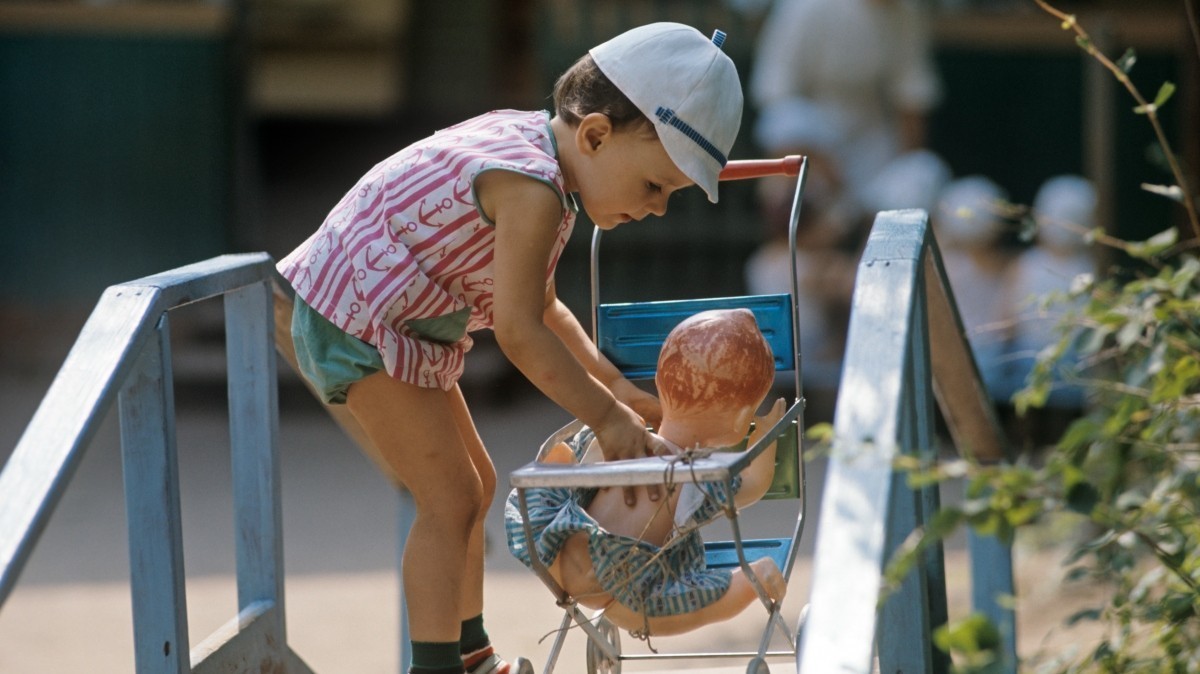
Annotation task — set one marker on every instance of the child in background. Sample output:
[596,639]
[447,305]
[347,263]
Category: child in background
[462,231]
[1064,209]
[645,565]
[968,223]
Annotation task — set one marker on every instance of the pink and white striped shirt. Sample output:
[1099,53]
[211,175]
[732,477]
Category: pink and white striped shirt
[408,243]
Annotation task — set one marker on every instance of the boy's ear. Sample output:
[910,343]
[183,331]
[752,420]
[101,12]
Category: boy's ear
[594,130]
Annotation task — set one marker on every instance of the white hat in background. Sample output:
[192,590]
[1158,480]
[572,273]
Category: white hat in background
[1064,199]
[686,86]
[912,180]
[968,212]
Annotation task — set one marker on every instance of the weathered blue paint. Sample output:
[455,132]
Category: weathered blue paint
[992,586]
[254,430]
[151,473]
[902,309]
[123,350]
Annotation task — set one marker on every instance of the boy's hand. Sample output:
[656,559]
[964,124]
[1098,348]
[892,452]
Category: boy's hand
[623,435]
[641,402]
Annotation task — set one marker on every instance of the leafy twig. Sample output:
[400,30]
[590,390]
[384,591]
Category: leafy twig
[1151,109]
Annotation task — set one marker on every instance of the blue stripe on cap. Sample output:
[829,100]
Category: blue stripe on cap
[718,38]
[667,116]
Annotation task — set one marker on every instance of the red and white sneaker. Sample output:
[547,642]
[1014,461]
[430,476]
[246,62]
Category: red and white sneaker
[485,661]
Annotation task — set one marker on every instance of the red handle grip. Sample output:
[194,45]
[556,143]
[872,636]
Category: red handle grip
[760,168]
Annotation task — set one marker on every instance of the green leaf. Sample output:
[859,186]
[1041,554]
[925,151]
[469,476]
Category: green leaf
[821,432]
[943,523]
[1082,497]
[1086,614]
[1172,192]
[969,636]
[1125,63]
[1144,250]
[1164,94]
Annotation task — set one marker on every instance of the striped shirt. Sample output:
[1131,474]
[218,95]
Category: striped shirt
[404,260]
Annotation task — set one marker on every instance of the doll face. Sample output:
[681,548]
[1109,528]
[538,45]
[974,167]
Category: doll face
[714,360]
[623,174]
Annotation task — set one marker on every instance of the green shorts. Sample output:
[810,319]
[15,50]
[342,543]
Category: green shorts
[330,359]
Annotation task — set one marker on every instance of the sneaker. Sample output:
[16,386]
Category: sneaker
[493,664]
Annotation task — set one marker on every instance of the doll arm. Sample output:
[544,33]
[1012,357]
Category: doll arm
[757,477]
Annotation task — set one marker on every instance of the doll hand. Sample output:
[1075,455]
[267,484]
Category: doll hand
[765,422]
[770,577]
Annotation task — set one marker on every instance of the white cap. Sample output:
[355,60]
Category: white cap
[912,180]
[968,214]
[1064,199]
[686,86]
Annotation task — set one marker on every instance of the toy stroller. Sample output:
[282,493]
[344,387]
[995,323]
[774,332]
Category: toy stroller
[631,335]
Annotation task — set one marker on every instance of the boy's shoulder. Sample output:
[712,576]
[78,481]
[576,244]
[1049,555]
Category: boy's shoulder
[533,126]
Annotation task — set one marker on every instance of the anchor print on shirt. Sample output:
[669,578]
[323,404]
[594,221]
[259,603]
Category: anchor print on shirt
[380,261]
[426,213]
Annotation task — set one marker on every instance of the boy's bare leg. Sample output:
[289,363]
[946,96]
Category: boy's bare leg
[417,435]
[472,591]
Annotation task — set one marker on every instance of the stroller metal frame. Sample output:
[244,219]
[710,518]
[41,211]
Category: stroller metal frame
[639,329]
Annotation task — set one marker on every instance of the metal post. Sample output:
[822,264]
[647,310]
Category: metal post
[909,616]
[992,585]
[151,471]
[254,429]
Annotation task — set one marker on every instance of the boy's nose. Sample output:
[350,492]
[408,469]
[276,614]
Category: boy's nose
[658,205]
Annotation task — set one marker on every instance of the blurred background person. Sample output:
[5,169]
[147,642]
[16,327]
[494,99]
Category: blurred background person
[1064,209]
[849,84]
[969,227]
[846,83]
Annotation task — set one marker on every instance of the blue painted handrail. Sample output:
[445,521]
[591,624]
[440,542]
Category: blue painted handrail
[902,312]
[123,355]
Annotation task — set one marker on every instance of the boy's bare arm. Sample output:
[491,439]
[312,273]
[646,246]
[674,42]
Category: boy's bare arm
[527,214]
[564,324]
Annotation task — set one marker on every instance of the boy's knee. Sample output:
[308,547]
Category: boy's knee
[456,508]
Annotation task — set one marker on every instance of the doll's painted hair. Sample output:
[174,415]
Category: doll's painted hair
[715,359]
[584,89]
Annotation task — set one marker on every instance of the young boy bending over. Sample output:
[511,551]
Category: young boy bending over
[462,231]
[644,564]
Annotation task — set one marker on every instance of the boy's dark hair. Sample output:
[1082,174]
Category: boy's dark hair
[584,89]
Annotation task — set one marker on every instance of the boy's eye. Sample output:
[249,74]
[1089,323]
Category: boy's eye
[653,187]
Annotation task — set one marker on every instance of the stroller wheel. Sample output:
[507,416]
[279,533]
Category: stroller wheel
[800,624]
[758,666]
[597,661]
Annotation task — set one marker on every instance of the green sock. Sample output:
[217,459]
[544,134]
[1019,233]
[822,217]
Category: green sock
[473,637]
[435,657]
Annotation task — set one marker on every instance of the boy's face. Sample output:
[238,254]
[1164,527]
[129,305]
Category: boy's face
[623,175]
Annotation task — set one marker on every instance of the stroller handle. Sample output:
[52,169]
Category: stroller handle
[760,168]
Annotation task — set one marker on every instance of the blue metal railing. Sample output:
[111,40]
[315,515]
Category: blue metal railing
[905,348]
[123,355]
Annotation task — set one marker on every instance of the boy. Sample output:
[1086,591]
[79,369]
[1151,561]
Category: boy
[462,231]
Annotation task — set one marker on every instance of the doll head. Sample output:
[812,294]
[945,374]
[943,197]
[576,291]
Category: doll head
[714,362]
